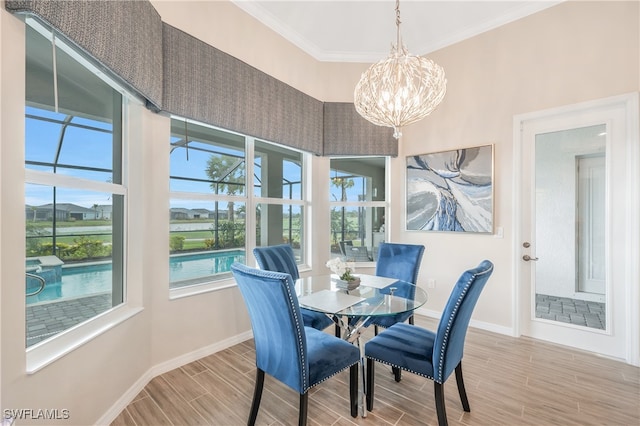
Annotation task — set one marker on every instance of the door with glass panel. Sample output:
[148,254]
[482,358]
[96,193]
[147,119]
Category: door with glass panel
[570,255]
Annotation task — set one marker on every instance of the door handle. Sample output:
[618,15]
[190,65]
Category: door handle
[527,258]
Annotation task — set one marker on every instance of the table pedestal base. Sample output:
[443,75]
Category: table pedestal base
[352,333]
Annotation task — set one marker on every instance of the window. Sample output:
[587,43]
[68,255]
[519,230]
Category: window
[357,207]
[208,203]
[277,185]
[75,192]
[211,207]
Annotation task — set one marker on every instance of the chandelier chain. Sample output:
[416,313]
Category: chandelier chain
[398,22]
[401,89]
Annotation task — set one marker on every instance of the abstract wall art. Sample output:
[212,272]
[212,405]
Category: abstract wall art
[451,191]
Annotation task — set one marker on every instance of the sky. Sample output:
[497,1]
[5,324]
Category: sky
[90,147]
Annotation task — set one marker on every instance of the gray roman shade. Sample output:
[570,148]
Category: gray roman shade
[177,73]
[347,133]
[123,36]
[206,84]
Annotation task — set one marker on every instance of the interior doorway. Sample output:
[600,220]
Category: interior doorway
[590,224]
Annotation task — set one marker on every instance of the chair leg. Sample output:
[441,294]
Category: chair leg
[338,331]
[353,389]
[257,395]
[375,330]
[370,383]
[397,373]
[461,389]
[304,405]
[440,408]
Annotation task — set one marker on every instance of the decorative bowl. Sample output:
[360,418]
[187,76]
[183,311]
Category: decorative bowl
[347,285]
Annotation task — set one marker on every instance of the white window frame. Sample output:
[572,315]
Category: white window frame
[48,351]
[367,204]
[250,201]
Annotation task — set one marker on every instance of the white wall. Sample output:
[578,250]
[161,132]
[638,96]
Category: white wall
[534,63]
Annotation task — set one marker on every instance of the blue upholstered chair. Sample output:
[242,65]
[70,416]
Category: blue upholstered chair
[280,258]
[402,262]
[428,354]
[298,356]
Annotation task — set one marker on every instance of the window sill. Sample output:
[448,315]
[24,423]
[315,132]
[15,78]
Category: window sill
[47,352]
[205,287]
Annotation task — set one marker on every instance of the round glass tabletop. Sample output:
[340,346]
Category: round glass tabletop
[375,296]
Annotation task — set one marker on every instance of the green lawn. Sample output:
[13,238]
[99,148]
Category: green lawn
[192,239]
[67,224]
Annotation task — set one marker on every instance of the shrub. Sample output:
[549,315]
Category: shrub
[86,248]
[176,242]
[81,249]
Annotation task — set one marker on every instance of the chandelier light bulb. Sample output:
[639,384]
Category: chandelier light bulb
[400,89]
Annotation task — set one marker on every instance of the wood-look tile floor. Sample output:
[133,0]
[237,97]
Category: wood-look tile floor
[509,381]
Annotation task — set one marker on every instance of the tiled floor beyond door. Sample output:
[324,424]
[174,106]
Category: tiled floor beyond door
[509,381]
[572,311]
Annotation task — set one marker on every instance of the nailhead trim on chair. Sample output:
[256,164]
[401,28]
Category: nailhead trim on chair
[305,383]
[305,373]
[451,317]
[403,368]
[446,335]
[336,373]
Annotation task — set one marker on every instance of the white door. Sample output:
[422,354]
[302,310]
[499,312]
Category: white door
[576,231]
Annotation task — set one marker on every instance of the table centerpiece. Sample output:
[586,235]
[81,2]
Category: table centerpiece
[344,270]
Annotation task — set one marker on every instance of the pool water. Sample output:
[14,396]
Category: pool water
[97,278]
[193,266]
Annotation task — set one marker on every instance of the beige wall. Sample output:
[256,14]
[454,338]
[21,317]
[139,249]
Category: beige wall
[573,52]
[226,27]
[565,54]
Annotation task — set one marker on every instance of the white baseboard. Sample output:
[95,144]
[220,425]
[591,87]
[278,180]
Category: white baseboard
[156,370]
[508,331]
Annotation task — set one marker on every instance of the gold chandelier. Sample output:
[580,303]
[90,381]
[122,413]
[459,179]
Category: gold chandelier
[401,89]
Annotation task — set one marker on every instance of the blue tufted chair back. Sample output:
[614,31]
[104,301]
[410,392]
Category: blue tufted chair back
[278,330]
[402,262]
[278,258]
[452,329]
[399,261]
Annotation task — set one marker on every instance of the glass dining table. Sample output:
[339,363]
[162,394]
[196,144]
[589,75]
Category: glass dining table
[353,309]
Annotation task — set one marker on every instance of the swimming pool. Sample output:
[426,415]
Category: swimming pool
[84,280]
[186,269]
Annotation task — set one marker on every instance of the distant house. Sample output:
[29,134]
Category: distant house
[63,212]
[43,213]
[203,214]
[179,213]
[103,211]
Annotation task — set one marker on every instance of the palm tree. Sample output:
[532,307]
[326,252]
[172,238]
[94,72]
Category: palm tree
[227,174]
[343,183]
